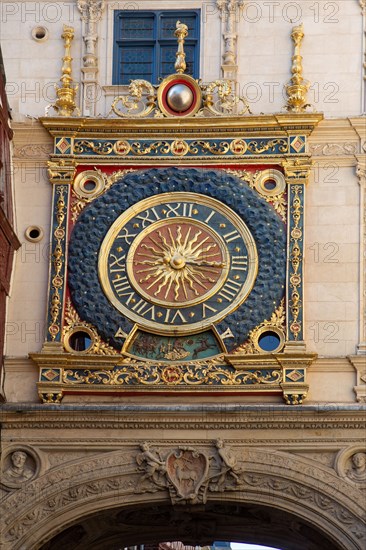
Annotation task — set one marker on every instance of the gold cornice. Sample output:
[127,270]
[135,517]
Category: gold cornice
[277,124]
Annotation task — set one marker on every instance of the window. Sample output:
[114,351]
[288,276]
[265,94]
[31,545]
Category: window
[145,45]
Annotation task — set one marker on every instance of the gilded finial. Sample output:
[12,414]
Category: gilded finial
[181,33]
[298,87]
[65,103]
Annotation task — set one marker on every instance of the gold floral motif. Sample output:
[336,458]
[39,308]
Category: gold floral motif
[244,175]
[277,320]
[73,322]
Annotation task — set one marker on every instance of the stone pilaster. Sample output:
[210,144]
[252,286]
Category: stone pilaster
[91,13]
[296,174]
[363,11]
[229,14]
[361,174]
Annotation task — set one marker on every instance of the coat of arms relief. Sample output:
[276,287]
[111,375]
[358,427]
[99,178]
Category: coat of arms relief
[188,473]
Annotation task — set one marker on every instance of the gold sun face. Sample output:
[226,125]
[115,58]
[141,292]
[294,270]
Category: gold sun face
[177,261]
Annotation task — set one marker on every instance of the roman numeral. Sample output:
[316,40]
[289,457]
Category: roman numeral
[145,217]
[240,263]
[232,236]
[210,216]
[177,314]
[205,307]
[126,235]
[143,308]
[229,290]
[118,262]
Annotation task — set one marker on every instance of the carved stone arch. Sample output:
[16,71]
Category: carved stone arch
[66,495]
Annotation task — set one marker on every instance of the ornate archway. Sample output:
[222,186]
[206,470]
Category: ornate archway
[291,499]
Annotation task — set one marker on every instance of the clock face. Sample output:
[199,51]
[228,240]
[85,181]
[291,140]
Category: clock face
[177,261]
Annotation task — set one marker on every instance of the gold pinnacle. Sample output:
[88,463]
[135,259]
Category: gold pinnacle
[181,33]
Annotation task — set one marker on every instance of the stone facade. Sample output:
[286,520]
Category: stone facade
[117,456]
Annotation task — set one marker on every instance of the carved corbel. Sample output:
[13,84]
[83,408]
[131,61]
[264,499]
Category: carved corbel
[229,11]
[61,171]
[294,385]
[359,364]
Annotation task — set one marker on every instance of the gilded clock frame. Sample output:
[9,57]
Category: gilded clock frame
[231,143]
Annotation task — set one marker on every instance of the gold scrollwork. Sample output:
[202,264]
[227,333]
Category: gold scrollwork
[146,148]
[146,374]
[296,259]
[85,146]
[275,324]
[140,100]
[220,99]
[74,324]
[262,146]
[57,261]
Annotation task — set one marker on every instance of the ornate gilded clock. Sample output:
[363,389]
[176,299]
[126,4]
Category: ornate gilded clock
[177,252]
[177,260]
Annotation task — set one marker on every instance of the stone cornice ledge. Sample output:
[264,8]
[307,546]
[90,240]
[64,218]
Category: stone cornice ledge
[268,408]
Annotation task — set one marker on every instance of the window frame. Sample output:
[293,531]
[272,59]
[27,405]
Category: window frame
[156,41]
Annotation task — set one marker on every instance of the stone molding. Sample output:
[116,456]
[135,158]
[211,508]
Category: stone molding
[339,139]
[188,418]
[316,494]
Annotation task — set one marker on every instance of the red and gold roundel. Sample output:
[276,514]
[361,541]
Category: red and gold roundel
[179,95]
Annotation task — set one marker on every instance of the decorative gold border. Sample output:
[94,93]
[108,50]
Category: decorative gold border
[176,197]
